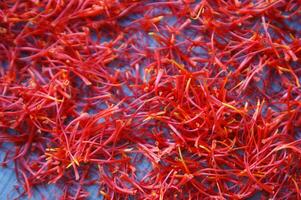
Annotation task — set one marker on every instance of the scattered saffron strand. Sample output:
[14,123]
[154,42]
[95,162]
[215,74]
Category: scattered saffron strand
[152,100]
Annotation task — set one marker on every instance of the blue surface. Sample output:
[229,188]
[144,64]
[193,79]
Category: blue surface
[8,179]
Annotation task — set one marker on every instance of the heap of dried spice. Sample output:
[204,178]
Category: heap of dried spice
[174,99]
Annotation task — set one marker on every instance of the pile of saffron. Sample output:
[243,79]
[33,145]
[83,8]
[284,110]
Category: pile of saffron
[174,99]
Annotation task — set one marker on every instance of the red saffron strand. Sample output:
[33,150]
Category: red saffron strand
[152,100]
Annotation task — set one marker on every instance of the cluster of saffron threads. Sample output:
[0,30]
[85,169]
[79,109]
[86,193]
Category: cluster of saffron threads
[178,99]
